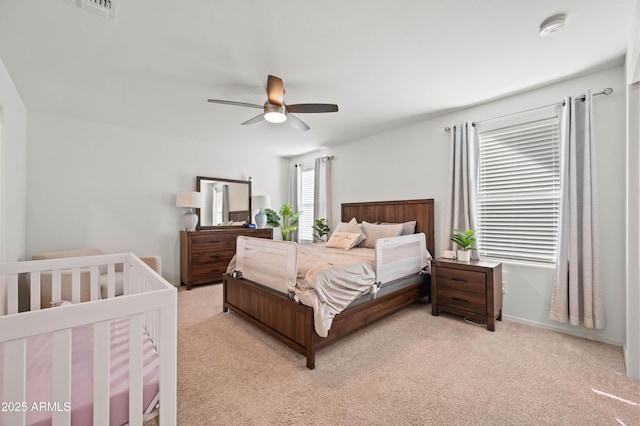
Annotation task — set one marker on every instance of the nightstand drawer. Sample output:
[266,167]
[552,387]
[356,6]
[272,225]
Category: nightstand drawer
[458,279]
[470,302]
[471,289]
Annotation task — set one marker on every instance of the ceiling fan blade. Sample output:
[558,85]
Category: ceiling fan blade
[254,120]
[312,108]
[275,90]
[297,123]
[242,104]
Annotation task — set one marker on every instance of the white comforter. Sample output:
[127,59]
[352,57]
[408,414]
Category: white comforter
[330,279]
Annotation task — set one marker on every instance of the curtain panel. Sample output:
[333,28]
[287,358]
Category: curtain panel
[322,190]
[461,204]
[577,287]
[295,183]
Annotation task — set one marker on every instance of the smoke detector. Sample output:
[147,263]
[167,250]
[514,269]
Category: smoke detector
[104,8]
[551,25]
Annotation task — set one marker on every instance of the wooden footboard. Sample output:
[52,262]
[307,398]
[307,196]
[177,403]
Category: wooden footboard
[292,323]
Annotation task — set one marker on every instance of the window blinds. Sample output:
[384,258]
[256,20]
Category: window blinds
[305,222]
[519,191]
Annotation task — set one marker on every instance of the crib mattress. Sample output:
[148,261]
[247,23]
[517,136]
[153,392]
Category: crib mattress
[39,364]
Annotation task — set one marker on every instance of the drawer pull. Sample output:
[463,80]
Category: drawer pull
[457,299]
[459,279]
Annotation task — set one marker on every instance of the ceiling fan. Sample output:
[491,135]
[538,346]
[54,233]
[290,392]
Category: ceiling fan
[275,110]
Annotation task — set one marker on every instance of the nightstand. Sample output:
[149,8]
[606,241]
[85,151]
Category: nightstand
[472,289]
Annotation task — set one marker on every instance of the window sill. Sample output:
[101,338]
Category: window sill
[526,263]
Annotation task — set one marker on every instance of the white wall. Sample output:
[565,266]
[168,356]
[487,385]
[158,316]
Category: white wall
[114,188]
[412,162]
[632,342]
[13,166]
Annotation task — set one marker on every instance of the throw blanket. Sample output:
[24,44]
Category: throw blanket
[330,279]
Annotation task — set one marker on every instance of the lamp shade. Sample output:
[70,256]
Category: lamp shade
[189,199]
[260,202]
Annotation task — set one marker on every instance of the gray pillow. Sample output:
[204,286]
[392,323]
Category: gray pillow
[373,232]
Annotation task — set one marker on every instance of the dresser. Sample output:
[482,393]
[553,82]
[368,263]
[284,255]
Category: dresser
[472,289]
[205,254]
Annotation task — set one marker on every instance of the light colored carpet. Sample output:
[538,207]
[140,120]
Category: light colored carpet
[410,368]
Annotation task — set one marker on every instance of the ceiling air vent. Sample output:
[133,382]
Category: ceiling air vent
[105,8]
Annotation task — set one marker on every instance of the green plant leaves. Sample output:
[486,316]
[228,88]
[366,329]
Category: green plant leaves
[464,238]
[287,221]
[321,228]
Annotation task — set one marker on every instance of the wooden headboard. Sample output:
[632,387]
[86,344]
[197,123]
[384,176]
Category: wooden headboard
[395,212]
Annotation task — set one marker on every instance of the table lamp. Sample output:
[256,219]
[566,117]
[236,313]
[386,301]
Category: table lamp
[191,200]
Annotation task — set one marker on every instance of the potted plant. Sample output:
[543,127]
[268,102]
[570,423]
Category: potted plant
[286,220]
[321,228]
[464,239]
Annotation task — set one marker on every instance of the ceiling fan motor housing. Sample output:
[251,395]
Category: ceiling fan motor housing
[275,113]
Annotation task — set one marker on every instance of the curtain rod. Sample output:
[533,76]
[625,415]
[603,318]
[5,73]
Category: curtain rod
[325,158]
[605,92]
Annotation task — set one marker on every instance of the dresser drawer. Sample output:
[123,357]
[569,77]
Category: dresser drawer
[211,242]
[199,258]
[469,281]
[205,254]
[465,301]
[209,271]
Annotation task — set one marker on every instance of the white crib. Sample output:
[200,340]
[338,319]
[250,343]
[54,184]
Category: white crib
[149,303]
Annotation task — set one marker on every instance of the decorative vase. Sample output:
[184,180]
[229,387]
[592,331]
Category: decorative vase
[261,219]
[464,255]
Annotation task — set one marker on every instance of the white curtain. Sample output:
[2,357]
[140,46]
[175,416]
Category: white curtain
[295,182]
[462,183]
[577,288]
[322,190]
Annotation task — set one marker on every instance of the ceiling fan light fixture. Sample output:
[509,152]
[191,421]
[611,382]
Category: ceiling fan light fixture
[275,113]
[552,24]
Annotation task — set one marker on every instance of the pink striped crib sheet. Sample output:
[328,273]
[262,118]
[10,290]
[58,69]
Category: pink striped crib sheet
[39,405]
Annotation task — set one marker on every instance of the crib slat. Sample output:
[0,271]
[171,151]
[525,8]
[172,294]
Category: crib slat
[167,350]
[111,281]
[135,370]
[126,275]
[94,279]
[56,286]
[61,375]
[75,285]
[12,294]
[101,366]
[35,291]
[14,387]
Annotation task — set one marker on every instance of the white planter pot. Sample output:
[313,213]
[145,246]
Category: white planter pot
[464,255]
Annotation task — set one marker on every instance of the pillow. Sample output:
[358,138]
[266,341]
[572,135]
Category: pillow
[352,227]
[343,240]
[373,232]
[408,228]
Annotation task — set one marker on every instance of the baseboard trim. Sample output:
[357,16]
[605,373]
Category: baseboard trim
[578,332]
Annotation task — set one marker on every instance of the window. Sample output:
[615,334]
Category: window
[305,222]
[518,195]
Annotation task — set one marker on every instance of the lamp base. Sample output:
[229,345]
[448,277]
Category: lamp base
[261,219]
[190,220]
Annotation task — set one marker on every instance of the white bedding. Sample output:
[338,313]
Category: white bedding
[330,279]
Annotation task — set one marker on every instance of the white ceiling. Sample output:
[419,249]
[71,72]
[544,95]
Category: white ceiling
[385,63]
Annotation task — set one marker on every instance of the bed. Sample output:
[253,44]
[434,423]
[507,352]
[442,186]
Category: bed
[276,313]
[104,361]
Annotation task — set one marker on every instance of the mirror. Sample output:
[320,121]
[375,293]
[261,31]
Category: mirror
[227,202]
